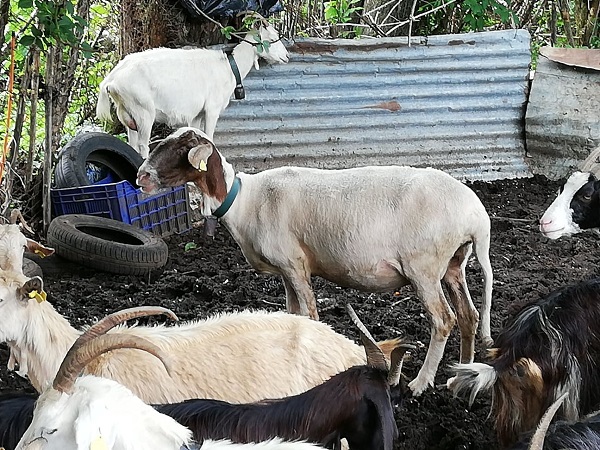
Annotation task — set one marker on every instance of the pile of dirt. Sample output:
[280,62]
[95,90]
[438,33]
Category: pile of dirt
[215,277]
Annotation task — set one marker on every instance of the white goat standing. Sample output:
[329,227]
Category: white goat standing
[238,357]
[180,87]
[370,228]
[96,413]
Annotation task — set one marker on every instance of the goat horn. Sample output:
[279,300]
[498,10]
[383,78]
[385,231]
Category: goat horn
[591,163]
[375,357]
[15,215]
[397,358]
[79,356]
[537,441]
[116,318]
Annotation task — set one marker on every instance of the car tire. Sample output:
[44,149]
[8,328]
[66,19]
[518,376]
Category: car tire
[99,149]
[107,244]
[32,269]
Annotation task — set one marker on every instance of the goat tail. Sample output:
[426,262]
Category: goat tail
[103,105]
[472,377]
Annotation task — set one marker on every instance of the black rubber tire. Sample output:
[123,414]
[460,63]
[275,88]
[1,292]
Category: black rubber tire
[107,244]
[101,149]
[32,269]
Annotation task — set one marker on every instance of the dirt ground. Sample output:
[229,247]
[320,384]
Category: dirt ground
[215,277]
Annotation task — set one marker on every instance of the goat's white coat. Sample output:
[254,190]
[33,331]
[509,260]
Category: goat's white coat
[238,357]
[179,87]
[371,228]
[557,220]
[102,408]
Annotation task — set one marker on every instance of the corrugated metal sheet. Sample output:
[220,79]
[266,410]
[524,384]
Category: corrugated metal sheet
[562,116]
[453,102]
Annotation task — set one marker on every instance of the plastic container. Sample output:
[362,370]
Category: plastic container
[164,213]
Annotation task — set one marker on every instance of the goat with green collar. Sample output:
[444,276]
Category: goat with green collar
[181,87]
[369,228]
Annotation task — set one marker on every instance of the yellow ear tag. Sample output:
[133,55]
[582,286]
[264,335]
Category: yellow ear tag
[39,252]
[98,444]
[39,296]
[202,167]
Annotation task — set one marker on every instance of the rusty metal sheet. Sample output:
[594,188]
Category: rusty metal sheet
[562,125]
[578,57]
[454,102]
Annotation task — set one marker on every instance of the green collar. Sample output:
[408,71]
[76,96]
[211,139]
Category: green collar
[231,195]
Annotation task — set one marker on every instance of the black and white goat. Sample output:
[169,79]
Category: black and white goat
[583,434]
[550,347]
[96,413]
[577,207]
[181,87]
[354,405]
[16,412]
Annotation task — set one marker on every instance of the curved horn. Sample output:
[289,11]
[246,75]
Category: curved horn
[116,318]
[79,356]
[592,162]
[375,357]
[396,364]
[537,441]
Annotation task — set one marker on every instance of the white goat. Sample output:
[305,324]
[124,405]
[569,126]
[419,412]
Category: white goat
[96,413]
[181,86]
[238,357]
[370,228]
[12,245]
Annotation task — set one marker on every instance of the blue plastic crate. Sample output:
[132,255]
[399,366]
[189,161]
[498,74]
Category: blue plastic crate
[164,213]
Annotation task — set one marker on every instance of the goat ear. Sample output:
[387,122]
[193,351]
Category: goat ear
[31,287]
[38,249]
[198,156]
[92,419]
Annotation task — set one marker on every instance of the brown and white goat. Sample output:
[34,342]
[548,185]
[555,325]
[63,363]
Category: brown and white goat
[369,228]
[354,405]
[549,348]
[223,357]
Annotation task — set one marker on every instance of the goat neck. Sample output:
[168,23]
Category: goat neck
[216,183]
[46,338]
[245,56]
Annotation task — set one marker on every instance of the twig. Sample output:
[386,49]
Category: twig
[271,303]
[511,219]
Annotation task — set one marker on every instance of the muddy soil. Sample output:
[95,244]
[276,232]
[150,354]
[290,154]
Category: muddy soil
[215,277]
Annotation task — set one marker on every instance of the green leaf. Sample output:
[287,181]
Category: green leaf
[25,3]
[226,31]
[190,246]
[26,41]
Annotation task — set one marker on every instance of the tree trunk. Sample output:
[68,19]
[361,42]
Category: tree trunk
[4,9]
[160,23]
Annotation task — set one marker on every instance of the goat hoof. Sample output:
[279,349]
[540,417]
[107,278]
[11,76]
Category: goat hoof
[418,387]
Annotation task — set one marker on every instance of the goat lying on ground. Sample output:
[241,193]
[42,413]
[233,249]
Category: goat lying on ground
[16,412]
[96,413]
[549,348]
[577,207]
[581,435]
[222,357]
[370,228]
[354,405]
[180,86]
